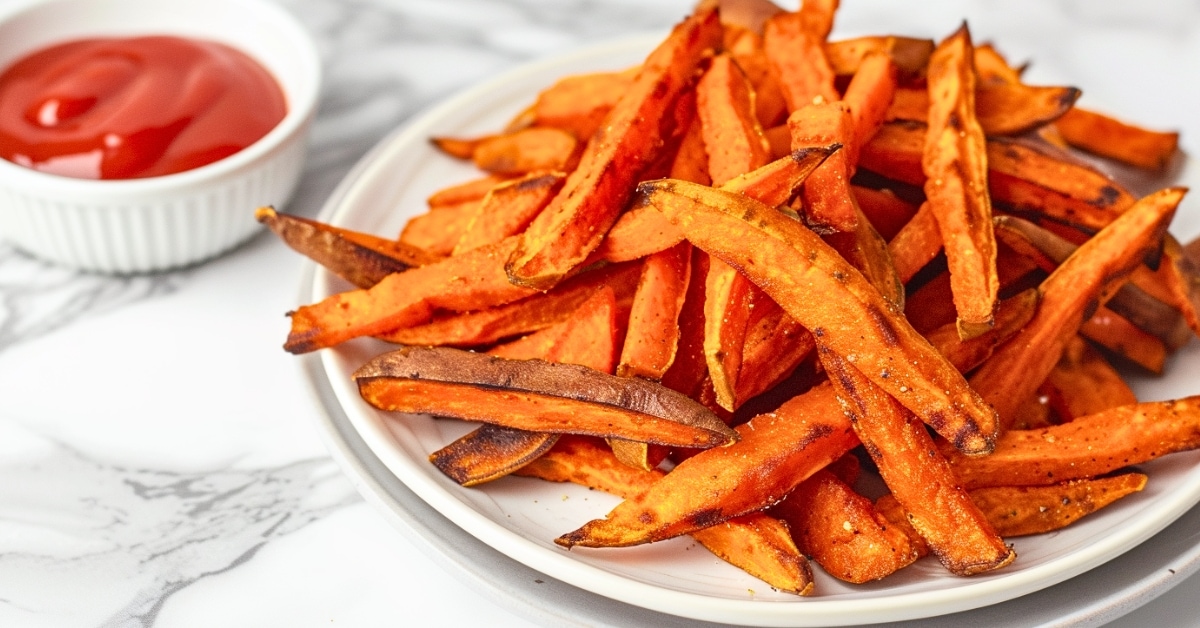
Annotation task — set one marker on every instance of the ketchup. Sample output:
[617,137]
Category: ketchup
[134,107]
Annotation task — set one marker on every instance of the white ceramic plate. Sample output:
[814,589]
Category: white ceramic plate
[520,517]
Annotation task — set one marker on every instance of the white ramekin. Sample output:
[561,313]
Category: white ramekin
[159,223]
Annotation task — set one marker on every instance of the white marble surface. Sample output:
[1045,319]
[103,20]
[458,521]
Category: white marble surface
[159,461]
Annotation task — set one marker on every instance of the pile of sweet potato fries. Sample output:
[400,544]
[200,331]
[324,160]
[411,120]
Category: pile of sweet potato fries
[725,283]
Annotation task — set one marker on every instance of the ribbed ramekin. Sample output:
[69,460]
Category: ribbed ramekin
[160,223]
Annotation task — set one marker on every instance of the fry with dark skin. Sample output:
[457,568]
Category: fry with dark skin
[360,258]
[791,263]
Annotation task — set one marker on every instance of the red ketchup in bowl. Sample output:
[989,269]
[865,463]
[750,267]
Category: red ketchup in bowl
[125,108]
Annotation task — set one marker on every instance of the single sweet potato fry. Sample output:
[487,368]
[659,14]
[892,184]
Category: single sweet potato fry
[736,145]
[842,531]
[458,147]
[1089,446]
[473,280]
[579,103]
[916,243]
[541,310]
[537,396]
[867,98]
[1116,334]
[798,57]
[756,543]
[653,336]
[956,185]
[439,229]
[472,190]
[791,263]
[508,208]
[887,212]
[1025,510]
[1086,279]
[360,258]
[573,225]
[1083,383]
[489,452]
[1112,138]
[775,452]
[729,124]
[917,475]
[532,149]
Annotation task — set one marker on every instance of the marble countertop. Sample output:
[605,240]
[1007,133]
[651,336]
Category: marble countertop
[159,460]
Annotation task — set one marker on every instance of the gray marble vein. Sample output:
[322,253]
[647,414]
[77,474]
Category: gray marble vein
[132,537]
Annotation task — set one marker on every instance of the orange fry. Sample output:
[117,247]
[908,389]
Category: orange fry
[574,223]
[955,165]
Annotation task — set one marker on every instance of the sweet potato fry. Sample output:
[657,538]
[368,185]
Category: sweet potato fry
[1025,510]
[1083,383]
[527,150]
[1108,137]
[574,223]
[778,450]
[887,212]
[1116,334]
[360,258]
[579,103]
[535,395]
[1005,109]
[842,531]
[867,97]
[440,228]
[756,543]
[1089,446]
[798,56]
[916,243]
[729,124]
[775,345]
[956,171]
[827,199]
[689,368]
[736,145]
[1086,279]
[747,50]
[917,475]
[458,147]
[507,209]
[790,263]
[489,452]
[653,336]
[472,190]
[473,280]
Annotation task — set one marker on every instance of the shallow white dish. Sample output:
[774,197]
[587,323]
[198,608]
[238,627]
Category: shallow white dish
[520,517]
